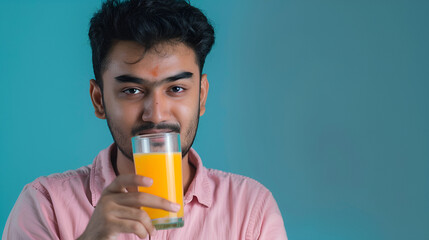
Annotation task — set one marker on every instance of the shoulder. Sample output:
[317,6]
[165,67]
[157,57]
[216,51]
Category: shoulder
[237,185]
[45,200]
[233,179]
[59,182]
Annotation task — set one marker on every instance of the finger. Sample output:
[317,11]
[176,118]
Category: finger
[148,224]
[130,226]
[135,215]
[128,180]
[140,199]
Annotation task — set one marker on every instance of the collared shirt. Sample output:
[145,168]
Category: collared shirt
[217,205]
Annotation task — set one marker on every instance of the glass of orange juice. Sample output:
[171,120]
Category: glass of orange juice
[159,157]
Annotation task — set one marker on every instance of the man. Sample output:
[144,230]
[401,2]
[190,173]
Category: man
[148,58]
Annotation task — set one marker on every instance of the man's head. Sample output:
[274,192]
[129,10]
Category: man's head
[148,58]
[148,22]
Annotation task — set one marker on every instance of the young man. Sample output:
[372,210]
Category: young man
[148,58]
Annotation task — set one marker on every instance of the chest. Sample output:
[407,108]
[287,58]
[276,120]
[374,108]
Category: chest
[216,222]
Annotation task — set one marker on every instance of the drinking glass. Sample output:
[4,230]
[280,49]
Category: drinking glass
[159,157]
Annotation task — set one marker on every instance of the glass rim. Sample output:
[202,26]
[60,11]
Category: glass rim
[156,135]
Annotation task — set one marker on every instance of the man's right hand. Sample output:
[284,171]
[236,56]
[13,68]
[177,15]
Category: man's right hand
[118,211]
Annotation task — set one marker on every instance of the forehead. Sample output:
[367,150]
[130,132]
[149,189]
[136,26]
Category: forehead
[130,57]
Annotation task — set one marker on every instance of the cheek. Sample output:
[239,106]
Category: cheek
[122,113]
[185,112]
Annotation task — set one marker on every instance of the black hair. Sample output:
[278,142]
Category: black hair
[148,22]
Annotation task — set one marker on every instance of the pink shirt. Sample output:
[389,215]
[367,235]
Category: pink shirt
[218,205]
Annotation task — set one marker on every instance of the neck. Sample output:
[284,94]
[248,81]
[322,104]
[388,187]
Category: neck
[125,165]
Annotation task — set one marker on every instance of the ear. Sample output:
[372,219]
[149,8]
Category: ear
[204,90]
[97,99]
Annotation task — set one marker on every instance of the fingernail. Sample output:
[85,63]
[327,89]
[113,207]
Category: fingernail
[147,181]
[175,207]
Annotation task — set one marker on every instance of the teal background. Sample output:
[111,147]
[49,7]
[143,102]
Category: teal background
[324,102]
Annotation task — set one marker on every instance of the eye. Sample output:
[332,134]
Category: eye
[131,91]
[177,89]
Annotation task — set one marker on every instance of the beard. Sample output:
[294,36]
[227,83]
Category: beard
[122,139]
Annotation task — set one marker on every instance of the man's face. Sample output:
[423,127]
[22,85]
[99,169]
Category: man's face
[151,91]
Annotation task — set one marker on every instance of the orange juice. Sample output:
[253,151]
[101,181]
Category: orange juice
[166,171]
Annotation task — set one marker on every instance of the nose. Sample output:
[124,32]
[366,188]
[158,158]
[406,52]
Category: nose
[155,108]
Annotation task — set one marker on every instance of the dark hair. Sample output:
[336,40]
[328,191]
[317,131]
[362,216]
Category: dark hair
[148,22]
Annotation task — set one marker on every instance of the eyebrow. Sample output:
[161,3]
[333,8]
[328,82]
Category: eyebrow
[126,78]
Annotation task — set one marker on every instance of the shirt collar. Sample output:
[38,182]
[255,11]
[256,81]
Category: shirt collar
[102,174]
[200,187]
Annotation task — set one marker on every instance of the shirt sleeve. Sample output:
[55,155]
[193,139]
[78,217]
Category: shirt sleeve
[32,216]
[267,220]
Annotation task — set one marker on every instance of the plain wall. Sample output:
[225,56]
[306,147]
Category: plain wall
[323,102]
